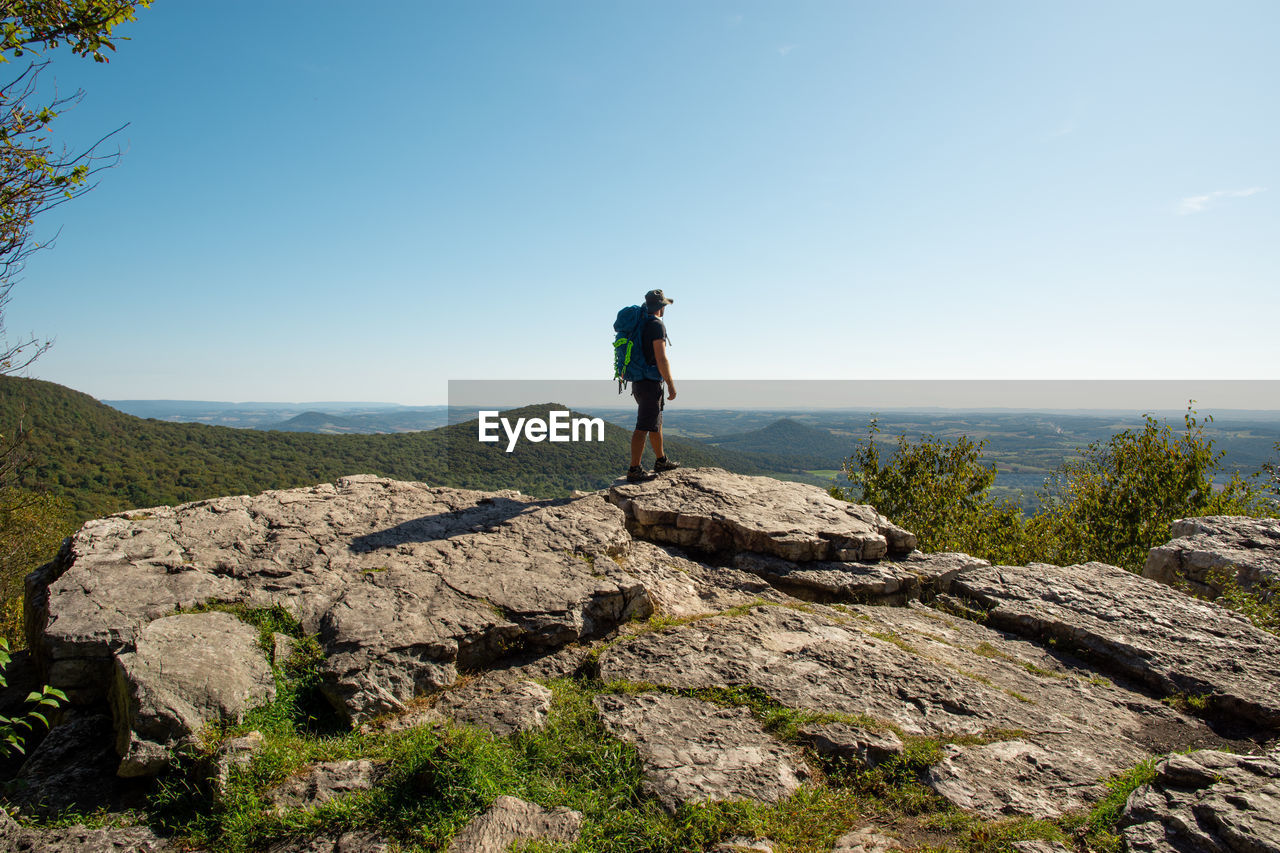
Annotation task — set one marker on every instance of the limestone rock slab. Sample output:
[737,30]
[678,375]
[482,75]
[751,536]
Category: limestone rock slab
[511,819]
[1041,779]
[694,751]
[876,582]
[1175,644]
[403,583]
[710,509]
[1246,548]
[918,672]
[74,766]
[186,671]
[852,743]
[1209,801]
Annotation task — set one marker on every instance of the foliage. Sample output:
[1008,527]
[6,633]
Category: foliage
[83,25]
[1116,502]
[32,526]
[34,176]
[1260,605]
[1100,824]
[12,728]
[1113,504]
[939,490]
[1270,473]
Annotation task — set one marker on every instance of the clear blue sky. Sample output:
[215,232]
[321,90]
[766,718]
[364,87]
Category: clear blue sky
[322,201]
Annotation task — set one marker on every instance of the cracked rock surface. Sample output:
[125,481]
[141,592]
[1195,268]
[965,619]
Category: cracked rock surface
[1247,549]
[402,582]
[694,750]
[511,819]
[1209,802]
[1055,734]
[1171,642]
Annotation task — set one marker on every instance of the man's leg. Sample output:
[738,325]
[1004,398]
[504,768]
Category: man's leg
[637,446]
[655,441]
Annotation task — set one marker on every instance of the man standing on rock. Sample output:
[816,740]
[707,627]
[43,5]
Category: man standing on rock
[648,392]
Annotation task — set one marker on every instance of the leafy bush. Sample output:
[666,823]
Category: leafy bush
[1116,502]
[32,527]
[12,728]
[939,490]
[1260,605]
[1113,504]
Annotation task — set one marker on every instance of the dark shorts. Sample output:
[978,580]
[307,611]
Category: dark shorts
[648,393]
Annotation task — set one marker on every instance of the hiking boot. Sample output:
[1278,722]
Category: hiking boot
[664,464]
[636,474]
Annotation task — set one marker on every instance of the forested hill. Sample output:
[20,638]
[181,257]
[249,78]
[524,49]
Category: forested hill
[104,461]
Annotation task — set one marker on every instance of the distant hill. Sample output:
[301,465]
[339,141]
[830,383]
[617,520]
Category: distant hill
[335,417]
[105,461]
[789,442]
[324,423]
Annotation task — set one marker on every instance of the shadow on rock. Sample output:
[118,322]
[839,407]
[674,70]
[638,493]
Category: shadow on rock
[485,516]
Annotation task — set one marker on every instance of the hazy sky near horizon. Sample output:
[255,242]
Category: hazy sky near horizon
[320,202]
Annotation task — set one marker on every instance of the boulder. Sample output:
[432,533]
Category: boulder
[186,671]
[694,751]
[709,509]
[511,819]
[74,767]
[1247,549]
[1207,801]
[1174,644]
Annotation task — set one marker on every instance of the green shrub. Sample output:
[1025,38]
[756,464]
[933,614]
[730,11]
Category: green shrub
[12,728]
[1113,504]
[939,490]
[1116,502]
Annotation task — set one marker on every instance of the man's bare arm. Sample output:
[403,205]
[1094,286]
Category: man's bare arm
[664,366]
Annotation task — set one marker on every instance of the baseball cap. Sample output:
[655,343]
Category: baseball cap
[655,299]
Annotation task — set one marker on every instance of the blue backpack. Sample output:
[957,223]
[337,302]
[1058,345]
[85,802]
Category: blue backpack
[629,363]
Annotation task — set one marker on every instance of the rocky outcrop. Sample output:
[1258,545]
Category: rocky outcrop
[1174,644]
[709,509]
[1209,802]
[1026,686]
[1247,549]
[402,583]
[923,676]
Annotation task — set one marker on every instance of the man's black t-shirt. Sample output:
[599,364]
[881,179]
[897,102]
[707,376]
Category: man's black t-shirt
[653,331]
